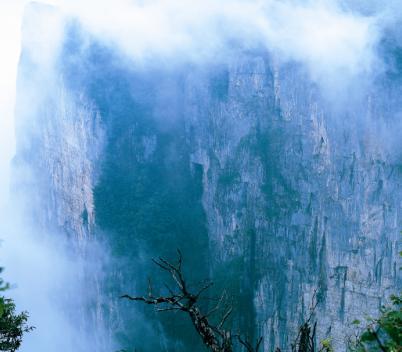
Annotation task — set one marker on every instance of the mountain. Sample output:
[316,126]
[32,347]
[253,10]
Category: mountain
[276,190]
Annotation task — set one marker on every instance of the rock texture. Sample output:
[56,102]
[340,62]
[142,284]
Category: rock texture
[313,203]
[299,197]
[59,137]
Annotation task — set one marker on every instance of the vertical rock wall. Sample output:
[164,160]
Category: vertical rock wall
[280,194]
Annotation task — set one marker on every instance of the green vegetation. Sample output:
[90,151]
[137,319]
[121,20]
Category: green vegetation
[147,200]
[381,334]
[13,326]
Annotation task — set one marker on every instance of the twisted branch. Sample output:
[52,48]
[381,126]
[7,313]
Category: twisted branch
[214,336]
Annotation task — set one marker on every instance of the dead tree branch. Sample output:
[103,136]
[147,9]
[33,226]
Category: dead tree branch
[216,337]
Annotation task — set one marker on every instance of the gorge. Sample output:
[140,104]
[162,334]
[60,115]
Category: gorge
[273,181]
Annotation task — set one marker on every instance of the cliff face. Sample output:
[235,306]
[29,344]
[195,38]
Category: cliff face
[309,198]
[266,185]
[59,134]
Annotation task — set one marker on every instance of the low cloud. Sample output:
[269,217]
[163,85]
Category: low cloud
[327,37]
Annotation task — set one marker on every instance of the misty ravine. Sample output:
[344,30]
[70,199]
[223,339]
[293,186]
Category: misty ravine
[271,159]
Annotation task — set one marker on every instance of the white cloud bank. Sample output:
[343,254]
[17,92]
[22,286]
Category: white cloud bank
[324,35]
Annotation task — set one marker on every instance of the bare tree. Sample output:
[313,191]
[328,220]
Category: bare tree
[214,332]
[305,339]
[215,336]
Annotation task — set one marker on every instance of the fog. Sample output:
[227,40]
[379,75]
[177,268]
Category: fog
[47,277]
[328,37]
[336,42]
[48,282]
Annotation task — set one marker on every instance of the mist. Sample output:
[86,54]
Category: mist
[336,41]
[47,273]
[47,280]
[336,44]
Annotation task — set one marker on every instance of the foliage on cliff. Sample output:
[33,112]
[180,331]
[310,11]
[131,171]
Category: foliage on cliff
[381,334]
[384,333]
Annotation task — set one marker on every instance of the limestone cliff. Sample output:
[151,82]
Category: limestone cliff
[244,163]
